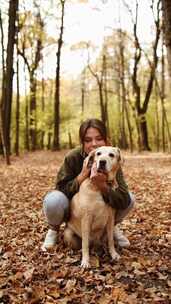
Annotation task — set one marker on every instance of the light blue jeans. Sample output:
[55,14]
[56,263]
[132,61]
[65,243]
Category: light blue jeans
[56,208]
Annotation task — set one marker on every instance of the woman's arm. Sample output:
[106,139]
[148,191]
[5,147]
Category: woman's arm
[71,174]
[66,179]
[118,198]
[122,185]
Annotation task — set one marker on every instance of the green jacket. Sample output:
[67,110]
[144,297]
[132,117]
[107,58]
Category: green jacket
[67,183]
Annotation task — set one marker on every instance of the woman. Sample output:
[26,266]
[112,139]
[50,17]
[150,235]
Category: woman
[73,172]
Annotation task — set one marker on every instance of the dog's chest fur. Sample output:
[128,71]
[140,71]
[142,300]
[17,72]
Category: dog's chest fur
[91,205]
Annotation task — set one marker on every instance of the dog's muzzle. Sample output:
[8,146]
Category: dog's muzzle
[101,166]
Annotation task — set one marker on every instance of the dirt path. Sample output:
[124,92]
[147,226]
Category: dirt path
[29,276]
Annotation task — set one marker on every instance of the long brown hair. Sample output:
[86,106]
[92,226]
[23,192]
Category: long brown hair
[92,123]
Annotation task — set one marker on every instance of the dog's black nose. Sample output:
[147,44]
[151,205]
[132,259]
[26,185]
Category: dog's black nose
[102,163]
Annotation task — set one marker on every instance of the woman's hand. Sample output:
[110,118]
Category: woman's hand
[85,172]
[100,181]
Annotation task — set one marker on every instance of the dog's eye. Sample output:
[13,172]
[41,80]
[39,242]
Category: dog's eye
[99,153]
[111,155]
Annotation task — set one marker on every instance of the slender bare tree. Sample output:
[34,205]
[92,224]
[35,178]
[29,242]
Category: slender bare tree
[166,7]
[56,141]
[2,86]
[142,106]
[8,78]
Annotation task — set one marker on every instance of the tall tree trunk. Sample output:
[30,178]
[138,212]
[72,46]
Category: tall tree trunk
[165,123]
[102,106]
[26,135]
[33,131]
[157,121]
[162,96]
[142,108]
[17,135]
[42,108]
[129,127]
[166,7]
[144,133]
[106,95]
[57,118]
[101,88]
[119,110]
[164,115]
[27,142]
[17,115]
[8,80]
[49,140]
[2,147]
[123,90]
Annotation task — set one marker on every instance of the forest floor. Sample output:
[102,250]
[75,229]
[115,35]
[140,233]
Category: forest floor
[28,275]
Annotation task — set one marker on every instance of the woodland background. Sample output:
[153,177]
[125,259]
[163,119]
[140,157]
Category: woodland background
[126,84]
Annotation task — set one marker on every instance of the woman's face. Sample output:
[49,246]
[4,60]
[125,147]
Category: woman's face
[92,140]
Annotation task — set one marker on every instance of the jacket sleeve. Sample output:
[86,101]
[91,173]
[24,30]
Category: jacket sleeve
[118,198]
[66,181]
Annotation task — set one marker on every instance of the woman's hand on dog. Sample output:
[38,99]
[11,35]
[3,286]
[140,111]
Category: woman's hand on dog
[99,179]
[85,172]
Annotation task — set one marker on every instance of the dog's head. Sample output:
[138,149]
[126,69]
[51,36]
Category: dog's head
[107,160]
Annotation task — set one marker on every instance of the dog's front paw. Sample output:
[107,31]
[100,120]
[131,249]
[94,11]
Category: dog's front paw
[85,263]
[115,256]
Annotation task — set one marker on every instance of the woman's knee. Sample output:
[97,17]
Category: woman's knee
[55,205]
[121,214]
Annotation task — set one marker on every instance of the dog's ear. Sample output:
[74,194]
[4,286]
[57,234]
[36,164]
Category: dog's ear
[119,154]
[120,158]
[90,159]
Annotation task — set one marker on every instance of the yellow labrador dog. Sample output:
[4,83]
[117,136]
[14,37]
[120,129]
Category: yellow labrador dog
[90,215]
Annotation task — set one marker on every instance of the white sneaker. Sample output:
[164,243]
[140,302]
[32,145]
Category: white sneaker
[50,240]
[120,238]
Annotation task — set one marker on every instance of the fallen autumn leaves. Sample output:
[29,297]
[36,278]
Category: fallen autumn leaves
[28,275]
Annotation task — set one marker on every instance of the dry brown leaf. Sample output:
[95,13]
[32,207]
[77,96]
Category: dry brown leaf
[28,274]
